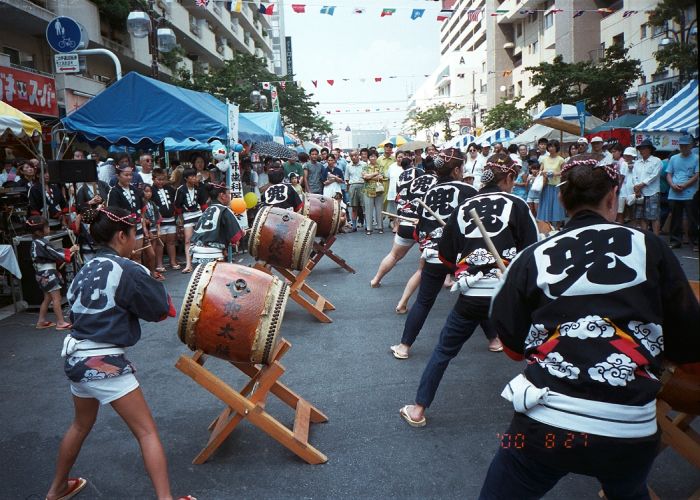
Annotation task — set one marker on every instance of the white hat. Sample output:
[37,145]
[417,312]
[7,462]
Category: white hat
[597,139]
[582,140]
[485,144]
[629,151]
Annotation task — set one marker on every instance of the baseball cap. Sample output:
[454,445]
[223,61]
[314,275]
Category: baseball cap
[582,140]
[597,139]
[485,144]
[630,151]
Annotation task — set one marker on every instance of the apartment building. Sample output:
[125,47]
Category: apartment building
[531,32]
[207,35]
[456,80]
[657,84]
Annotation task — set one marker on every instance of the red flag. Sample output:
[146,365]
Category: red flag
[315,82]
[442,18]
[270,9]
[377,79]
[330,82]
[299,8]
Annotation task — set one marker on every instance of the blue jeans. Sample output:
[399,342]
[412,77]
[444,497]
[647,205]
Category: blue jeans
[431,279]
[454,334]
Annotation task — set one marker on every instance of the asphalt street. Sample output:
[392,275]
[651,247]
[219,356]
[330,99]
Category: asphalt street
[343,368]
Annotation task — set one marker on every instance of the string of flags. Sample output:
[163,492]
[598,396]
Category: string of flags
[473,15]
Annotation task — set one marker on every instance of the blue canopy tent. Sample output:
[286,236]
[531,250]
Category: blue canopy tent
[142,112]
[270,122]
[185,145]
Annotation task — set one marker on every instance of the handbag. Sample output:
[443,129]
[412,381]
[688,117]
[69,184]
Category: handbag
[537,184]
[380,187]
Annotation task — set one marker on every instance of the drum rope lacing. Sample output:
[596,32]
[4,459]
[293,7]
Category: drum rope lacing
[276,313]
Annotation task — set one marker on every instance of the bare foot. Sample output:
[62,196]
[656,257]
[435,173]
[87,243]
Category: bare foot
[375,283]
[401,309]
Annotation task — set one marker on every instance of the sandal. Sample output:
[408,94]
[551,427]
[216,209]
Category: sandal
[186,270]
[401,310]
[67,326]
[160,269]
[413,423]
[75,486]
[158,276]
[176,267]
[396,353]
[377,285]
[45,324]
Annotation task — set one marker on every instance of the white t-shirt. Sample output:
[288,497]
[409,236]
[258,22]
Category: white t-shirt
[147,178]
[475,167]
[395,171]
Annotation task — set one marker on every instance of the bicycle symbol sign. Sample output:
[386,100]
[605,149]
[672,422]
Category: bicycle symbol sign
[65,34]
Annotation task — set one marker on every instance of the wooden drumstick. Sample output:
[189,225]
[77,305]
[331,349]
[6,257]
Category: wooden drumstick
[400,217]
[430,211]
[71,237]
[140,249]
[487,240]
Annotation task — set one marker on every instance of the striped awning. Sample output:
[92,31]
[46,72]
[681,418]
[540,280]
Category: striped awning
[498,135]
[679,114]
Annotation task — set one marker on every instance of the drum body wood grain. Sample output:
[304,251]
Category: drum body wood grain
[325,212]
[233,312]
[282,238]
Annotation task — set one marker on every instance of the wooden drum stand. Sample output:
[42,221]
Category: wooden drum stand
[323,247]
[249,403]
[314,303]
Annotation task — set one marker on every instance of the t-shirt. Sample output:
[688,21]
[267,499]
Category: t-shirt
[353,173]
[551,164]
[394,172]
[682,168]
[314,177]
[649,171]
[295,167]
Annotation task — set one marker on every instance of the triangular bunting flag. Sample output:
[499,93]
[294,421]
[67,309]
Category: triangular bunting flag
[236,6]
[377,79]
[269,10]
[473,15]
[629,13]
[328,9]
[201,3]
[387,12]
[442,18]
[315,82]
[299,8]
[417,13]
[579,13]
[330,82]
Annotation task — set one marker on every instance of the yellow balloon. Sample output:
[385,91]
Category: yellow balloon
[238,205]
[250,200]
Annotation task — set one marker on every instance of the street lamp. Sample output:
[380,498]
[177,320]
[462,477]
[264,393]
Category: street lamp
[258,99]
[681,38]
[141,25]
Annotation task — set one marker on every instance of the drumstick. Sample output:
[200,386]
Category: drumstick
[487,240]
[400,217]
[140,249]
[430,211]
[71,237]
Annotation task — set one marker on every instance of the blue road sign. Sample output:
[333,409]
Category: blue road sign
[65,34]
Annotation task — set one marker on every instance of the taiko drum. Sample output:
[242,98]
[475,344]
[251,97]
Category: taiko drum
[325,212]
[233,312]
[282,238]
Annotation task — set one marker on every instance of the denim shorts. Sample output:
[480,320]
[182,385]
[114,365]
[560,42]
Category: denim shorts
[649,210]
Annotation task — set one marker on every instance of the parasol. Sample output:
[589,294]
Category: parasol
[274,150]
[413,145]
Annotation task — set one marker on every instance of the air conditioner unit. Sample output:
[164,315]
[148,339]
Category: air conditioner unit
[508,45]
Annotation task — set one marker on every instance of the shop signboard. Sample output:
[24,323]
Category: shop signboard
[28,92]
[663,141]
[652,95]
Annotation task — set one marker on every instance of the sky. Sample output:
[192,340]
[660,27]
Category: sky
[356,46]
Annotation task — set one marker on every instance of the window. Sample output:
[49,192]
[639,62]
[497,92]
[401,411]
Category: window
[533,47]
[549,20]
[658,31]
[619,40]
[519,30]
[13,53]
[643,31]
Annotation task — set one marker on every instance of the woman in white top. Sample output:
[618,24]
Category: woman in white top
[474,166]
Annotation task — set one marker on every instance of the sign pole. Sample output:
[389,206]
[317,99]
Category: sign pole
[581,108]
[233,174]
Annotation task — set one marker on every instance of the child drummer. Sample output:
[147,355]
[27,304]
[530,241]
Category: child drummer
[108,297]
[44,258]
[216,228]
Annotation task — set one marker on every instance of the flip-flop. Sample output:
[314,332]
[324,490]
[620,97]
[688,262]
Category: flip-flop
[396,353]
[403,310]
[176,267]
[45,324]
[186,271]
[76,485]
[413,423]
[498,348]
[67,327]
[160,269]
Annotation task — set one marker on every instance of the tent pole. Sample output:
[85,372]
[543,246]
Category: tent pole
[42,168]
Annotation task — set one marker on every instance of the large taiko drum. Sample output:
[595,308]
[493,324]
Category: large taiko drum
[233,312]
[325,212]
[282,238]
